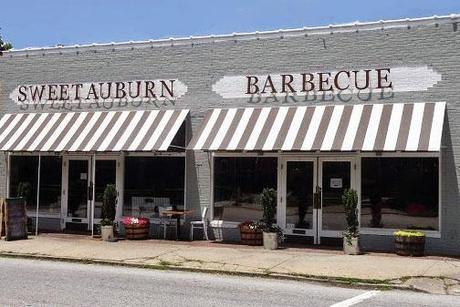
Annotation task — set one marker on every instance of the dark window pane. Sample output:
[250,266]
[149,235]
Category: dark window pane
[50,185]
[299,194]
[400,193]
[24,169]
[106,171]
[77,195]
[237,183]
[152,182]
[336,179]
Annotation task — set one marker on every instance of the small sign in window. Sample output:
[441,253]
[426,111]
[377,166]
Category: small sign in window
[336,183]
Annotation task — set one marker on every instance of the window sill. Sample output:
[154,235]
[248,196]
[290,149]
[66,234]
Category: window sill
[389,232]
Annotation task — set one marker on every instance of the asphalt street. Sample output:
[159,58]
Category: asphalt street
[42,283]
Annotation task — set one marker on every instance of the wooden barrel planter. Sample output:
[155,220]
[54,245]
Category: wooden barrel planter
[250,236]
[410,245]
[137,231]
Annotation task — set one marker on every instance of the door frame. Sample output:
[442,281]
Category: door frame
[353,185]
[92,159]
[316,231]
[282,187]
[65,189]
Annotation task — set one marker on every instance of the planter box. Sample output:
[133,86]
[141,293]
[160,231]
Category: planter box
[250,236]
[270,240]
[410,246]
[351,249]
[137,232]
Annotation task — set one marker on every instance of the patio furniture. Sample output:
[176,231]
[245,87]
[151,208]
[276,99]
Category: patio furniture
[167,221]
[177,213]
[203,224]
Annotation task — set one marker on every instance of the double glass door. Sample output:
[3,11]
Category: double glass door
[310,202]
[84,182]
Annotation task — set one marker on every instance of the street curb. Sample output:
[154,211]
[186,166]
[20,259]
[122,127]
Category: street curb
[331,280]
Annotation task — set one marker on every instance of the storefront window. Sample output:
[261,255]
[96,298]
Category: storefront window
[237,183]
[153,182]
[50,185]
[23,176]
[400,193]
[23,172]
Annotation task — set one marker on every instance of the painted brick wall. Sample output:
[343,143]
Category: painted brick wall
[201,65]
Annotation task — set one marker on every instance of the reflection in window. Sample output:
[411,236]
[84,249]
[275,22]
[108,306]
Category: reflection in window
[400,193]
[237,183]
[23,171]
[153,182]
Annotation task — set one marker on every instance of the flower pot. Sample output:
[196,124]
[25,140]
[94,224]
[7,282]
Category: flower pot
[137,231]
[353,247]
[410,246]
[250,236]
[270,240]
[107,233]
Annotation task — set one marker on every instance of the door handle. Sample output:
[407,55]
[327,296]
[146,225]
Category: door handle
[317,198]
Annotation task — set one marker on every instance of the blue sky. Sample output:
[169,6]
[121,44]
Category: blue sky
[30,23]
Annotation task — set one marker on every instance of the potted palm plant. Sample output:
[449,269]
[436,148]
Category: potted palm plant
[109,201]
[272,234]
[351,244]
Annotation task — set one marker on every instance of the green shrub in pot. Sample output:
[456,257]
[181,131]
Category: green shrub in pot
[109,202]
[351,244]
[272,233]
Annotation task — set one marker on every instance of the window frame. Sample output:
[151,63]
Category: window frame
[390,231]
[152,155]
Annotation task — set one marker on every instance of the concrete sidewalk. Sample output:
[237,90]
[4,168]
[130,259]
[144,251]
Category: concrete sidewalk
[430,274]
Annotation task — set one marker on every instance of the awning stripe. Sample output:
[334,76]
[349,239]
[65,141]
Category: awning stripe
[377,127]
[436,127]
[90,131]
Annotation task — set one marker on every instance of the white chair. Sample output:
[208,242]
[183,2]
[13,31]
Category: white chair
[167,220]
[203,224]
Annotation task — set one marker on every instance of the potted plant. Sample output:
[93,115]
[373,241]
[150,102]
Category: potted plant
[250,233]
[409,242]
[109,201]
[351,244]
[136,228]
[272,234]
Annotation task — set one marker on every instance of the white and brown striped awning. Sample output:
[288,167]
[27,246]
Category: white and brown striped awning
[90,131]
[372,127]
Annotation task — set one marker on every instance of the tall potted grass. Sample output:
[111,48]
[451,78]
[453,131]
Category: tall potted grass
[109,202]
[272,234]
[351,245]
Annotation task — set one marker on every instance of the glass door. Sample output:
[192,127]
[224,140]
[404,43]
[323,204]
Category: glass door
[76,190]
[335,176]
[296,213]
[310,202]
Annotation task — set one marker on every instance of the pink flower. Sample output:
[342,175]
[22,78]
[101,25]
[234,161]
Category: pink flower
[129,220]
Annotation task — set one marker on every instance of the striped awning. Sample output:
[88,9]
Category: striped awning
[90,131]
[372,127]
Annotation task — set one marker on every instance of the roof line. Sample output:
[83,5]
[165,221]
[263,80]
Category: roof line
[281,33]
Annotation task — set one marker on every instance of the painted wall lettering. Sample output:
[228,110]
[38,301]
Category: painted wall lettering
[99,92]
[394,79]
